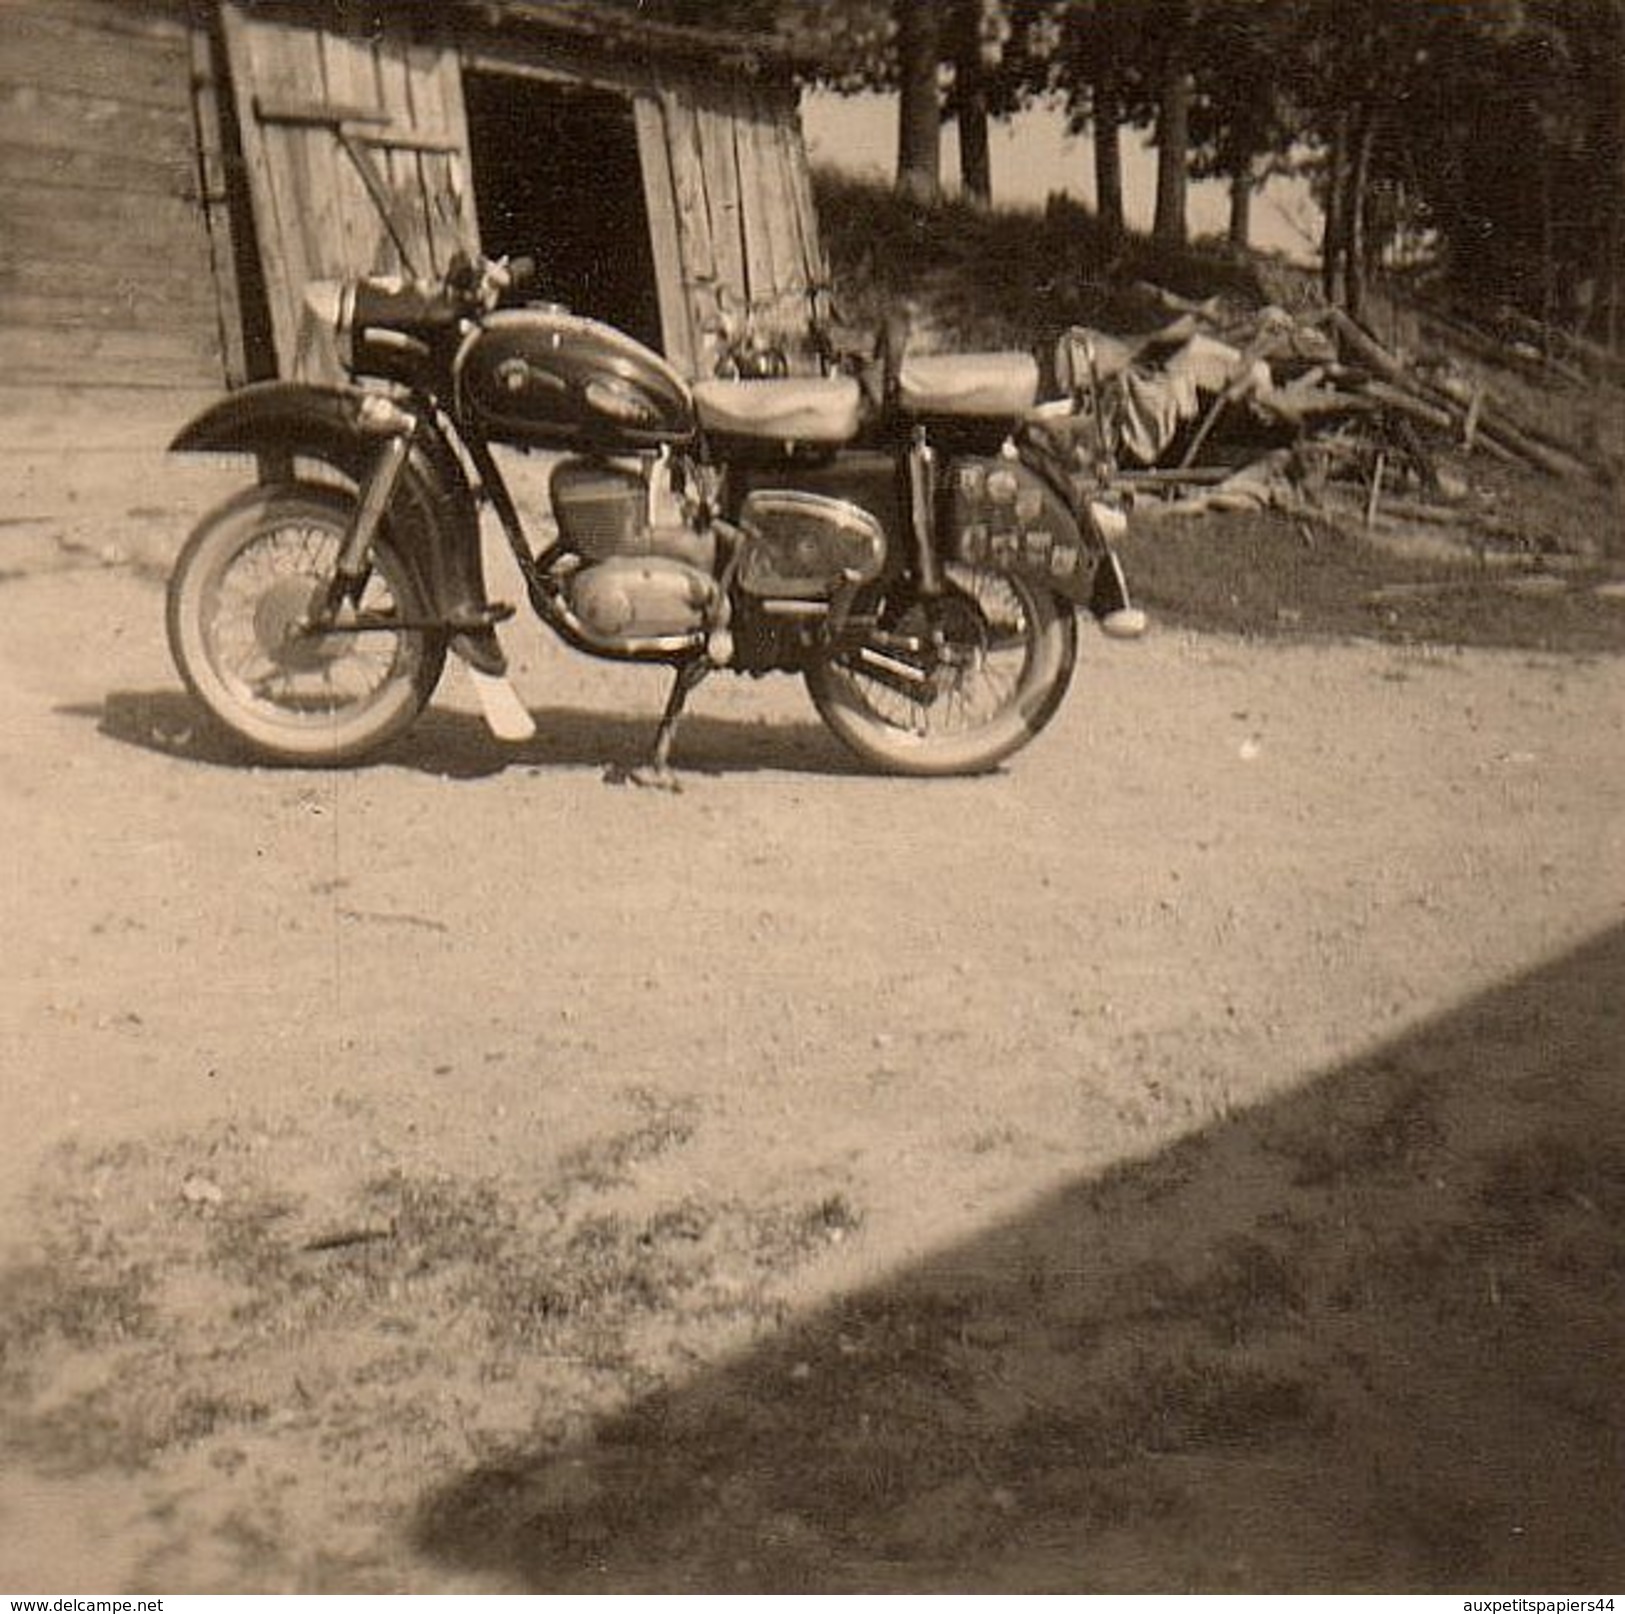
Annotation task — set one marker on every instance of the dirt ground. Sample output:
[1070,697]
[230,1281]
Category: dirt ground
[1191,1158]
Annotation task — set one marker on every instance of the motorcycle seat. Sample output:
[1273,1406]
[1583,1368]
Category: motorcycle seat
[798,409]
[959,384]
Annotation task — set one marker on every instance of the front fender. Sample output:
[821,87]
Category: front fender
[432,519]
[282,417]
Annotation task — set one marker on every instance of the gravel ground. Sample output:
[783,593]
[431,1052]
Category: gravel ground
[1185,1158]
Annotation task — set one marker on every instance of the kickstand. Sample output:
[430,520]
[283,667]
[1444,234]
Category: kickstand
[657,774]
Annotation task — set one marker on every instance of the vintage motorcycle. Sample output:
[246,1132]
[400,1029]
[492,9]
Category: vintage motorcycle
[913,541]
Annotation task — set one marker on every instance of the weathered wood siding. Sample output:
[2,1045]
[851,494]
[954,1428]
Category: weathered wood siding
[741,214]
[123,231]
[314,216]
[106,275]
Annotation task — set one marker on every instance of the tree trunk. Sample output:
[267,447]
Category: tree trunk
[1333,242]
[1613,266]
[1173,152]
[919,126]
[1109,154]
[975,163]
[1354,231]
[1241,207]
[970,101]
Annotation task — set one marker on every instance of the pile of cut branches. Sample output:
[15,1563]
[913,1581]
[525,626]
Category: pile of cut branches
[1345,428]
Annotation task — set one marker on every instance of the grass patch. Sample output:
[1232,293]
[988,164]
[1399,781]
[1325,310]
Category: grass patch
[1273,577]
[1391,1130]
[406,1298]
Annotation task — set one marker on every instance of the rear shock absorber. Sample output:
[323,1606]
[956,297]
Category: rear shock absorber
[922,491]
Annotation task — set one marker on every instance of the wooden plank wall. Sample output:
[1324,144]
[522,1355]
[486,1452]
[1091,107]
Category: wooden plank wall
[744,222]
[106,273]
[314,217]
[105,268]
[665,233]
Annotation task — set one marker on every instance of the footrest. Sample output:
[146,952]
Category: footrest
[475,621]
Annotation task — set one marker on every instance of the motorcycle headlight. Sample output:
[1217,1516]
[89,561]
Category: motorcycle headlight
[330,304]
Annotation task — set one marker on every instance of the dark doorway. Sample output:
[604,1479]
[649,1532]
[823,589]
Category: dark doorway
[557,178]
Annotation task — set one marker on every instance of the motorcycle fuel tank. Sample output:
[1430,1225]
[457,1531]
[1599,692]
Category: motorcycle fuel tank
[541,377]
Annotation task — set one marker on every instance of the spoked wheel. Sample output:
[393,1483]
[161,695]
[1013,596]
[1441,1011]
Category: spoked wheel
[241,602]
[952,684]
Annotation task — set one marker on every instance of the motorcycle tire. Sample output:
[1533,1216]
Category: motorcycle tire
[243,583]
[1007,652]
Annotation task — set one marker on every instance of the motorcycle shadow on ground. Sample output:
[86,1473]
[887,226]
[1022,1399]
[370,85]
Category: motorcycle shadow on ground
[457,745]
[1366,1336]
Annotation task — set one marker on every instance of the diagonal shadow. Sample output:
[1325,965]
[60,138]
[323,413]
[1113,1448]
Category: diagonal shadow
[1369,1336]
[451,744]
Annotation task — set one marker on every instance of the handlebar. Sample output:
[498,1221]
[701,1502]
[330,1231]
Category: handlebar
[468,289]
[480,284]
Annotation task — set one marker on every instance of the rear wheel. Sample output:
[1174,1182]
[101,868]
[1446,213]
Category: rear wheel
[953,683]
[241,598]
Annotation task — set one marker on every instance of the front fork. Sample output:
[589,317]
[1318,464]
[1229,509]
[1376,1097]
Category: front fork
[355,558]
[473,634]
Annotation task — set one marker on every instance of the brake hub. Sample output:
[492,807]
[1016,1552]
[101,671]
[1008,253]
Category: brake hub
[282,618]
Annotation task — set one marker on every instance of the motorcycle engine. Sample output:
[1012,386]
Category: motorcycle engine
[647,572]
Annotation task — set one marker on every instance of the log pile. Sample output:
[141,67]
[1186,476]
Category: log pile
[1366,423]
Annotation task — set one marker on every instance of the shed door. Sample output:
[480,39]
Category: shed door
[400,102]
[740,213]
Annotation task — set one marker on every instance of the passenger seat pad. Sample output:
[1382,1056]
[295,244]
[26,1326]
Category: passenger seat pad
[968,383]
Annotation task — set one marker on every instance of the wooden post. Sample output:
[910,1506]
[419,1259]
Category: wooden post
[1469,427]
[1376,489]
[214,196]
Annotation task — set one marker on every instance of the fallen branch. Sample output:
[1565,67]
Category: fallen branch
[1555,461]
[1545,448]
[1406,402]
[1402,388]
[1438,515]
[1490,351]
[1208,309]
[1158,476]
[1599,362]
[1356,339]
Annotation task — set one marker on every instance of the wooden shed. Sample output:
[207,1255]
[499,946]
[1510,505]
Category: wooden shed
[172,172]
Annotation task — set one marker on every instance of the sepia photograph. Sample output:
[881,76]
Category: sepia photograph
[812,797]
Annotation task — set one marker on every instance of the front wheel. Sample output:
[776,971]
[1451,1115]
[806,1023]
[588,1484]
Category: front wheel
[952,683]
[242,599]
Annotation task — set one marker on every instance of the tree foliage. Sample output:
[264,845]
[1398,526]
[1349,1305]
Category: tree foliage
[1492,132]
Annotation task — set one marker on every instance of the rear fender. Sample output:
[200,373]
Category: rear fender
[432,519]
